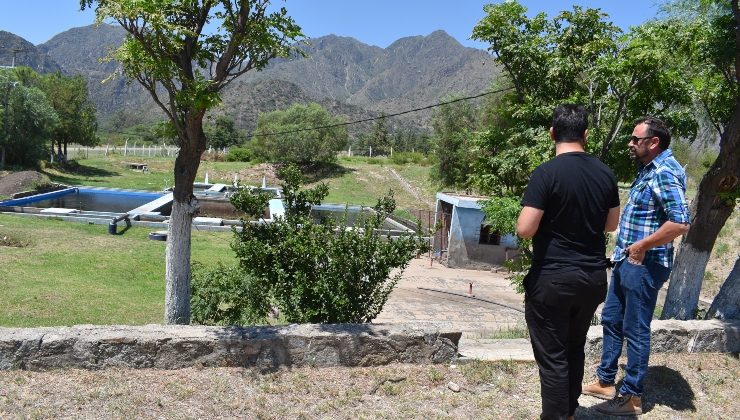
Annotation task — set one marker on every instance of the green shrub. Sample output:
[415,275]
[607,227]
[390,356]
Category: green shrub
[239,154]
[313,272]
[501,215]
[403,158]
[220,296]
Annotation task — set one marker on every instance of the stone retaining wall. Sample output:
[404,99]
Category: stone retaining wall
[671,336]
[173,347]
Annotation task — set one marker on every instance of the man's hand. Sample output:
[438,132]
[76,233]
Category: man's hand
[636,253]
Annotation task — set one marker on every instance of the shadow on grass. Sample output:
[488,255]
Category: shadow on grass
[72,172]
[320,172]
[668,387]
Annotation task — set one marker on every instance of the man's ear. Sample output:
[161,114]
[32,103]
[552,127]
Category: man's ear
[552,134]
[655,145]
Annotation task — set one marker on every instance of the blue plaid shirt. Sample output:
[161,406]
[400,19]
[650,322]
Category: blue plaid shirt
[656,196]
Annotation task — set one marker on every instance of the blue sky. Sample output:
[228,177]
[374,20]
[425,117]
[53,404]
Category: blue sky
[374,22]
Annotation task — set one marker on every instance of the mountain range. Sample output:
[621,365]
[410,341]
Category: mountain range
[346,76]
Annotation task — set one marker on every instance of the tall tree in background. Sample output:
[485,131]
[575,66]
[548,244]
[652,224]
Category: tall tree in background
[223,133]
[26,118]
[453,124]
[707,45]
[184,67]
[299,143]
[77,122]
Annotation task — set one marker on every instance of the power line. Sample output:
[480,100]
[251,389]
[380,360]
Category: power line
[382,116]
[300,130]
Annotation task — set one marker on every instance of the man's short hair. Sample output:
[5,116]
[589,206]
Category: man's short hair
[657,128]
[569,123]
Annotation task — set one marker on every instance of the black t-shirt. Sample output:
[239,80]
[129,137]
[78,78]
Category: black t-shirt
[576,191]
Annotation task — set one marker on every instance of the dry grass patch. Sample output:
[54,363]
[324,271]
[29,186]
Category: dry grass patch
[678,386]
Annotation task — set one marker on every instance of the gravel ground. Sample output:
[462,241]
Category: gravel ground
[678,386]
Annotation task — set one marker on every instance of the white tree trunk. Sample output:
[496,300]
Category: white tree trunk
[690,264]
[177,260]
[727,303]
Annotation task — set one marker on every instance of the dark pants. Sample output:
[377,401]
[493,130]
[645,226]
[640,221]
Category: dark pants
[559,307]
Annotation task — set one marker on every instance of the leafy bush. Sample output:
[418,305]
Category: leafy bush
[239,154]
[501,214]
[313,272]
[403,158]
[220,296]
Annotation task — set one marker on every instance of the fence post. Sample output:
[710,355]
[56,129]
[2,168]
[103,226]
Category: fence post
[371,151]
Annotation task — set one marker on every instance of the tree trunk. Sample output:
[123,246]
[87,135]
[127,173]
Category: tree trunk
[714,203]
[177,274]
[184,206]
[727,303]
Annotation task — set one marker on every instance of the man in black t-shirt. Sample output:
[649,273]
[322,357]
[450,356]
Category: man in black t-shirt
[569,203]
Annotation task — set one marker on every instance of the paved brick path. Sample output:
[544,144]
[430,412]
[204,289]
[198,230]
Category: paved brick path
[439,294]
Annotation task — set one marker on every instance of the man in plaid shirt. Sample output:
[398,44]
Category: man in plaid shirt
[655,214]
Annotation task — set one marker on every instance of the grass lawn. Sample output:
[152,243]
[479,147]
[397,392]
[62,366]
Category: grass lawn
[363,183]
[68,273]
[357,182]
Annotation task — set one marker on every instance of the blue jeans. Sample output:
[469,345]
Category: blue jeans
[627,313]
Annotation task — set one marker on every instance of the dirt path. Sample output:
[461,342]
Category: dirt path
[410,188]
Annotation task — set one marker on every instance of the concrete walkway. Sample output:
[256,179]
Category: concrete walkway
[433,293]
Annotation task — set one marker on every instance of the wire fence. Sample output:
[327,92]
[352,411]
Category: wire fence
[161,150]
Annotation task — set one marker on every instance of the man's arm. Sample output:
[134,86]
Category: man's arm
[666,233]
[528,221]
[668,192]
[612,220]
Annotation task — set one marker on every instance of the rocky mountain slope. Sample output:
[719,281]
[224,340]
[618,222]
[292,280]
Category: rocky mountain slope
[348,77]
[25,54]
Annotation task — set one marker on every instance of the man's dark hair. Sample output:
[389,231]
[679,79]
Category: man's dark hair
[656,127]
[569,123]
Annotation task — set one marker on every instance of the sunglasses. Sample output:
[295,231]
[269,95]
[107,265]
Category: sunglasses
[636,140]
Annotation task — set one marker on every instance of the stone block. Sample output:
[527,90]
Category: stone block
[174,347]
[672,336]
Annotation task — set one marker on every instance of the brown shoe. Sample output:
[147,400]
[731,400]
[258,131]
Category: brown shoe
[600,389]
[621,405]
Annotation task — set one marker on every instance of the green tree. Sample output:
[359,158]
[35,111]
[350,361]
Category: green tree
[295,141]
[706,47]
[411,140]
[577,56]
[26,118]
[223,133]
[77,122]
[380,138]
[318,272]
[184,66]
[453,125]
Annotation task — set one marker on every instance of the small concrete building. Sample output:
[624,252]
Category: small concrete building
[464,240]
